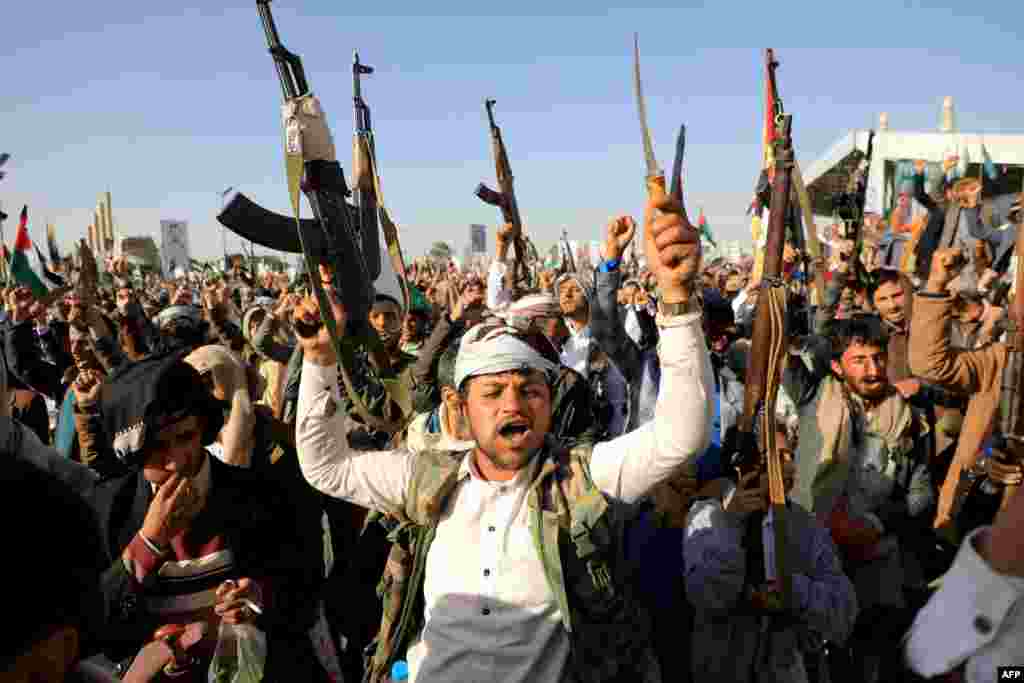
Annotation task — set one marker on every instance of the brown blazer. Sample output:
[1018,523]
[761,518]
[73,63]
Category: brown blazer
[976,373]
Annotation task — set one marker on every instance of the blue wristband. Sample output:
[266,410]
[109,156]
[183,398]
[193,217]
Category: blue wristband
[608,266]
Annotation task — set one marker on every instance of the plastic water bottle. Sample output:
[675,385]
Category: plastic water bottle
[399,671]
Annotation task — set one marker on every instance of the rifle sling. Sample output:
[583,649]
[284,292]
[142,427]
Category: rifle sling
[295,164]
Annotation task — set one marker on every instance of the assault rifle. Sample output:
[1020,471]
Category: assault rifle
[332,238]
[505,199]
[364,157]
[755,446]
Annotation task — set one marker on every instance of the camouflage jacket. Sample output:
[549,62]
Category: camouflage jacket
[580,535]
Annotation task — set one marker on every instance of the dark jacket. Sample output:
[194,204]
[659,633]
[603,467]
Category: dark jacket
[25,361]
[932,235]
[258,524]
[639,366]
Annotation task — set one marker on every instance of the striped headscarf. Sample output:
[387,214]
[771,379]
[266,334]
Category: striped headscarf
[492,347]
[523,311]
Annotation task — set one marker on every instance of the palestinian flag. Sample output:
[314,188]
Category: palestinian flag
[21,266]
[705,230]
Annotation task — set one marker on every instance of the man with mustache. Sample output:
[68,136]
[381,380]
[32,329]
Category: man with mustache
[862,466]
[597,346]
[891,295]
[510,567]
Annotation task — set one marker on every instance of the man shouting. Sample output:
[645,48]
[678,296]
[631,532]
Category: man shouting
[511,567]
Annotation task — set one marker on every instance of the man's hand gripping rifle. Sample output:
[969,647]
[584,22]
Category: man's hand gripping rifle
[331,243]
[753,447]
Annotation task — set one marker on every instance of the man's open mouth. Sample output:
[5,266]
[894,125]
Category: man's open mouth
[513,429]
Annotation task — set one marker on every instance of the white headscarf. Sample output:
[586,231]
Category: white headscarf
[494,347]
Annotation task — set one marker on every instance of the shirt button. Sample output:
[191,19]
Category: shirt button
[491,529]
[487,572]
[485,611]
[982,624]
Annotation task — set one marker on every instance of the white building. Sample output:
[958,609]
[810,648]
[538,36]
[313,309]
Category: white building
[830,174]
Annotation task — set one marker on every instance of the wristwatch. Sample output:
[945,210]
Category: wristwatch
[691,305]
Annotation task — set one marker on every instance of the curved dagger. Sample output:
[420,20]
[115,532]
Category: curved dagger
[652,164]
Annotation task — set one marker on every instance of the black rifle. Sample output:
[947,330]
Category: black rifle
[332,236]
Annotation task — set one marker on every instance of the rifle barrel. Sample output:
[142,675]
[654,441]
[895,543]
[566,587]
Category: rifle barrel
[289,65]
[489,106]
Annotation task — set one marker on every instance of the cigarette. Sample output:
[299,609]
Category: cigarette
[256,609]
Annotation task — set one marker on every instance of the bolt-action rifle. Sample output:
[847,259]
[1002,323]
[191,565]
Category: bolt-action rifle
[755,446]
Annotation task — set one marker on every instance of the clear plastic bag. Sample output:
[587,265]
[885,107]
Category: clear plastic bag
[239,656]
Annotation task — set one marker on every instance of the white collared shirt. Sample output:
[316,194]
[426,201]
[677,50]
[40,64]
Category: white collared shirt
[495,596]
[576,350]
[490,613]
[976,615]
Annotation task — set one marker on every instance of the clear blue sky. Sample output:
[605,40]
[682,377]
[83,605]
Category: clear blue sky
[165,105]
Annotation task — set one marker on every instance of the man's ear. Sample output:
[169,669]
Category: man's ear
[837,368]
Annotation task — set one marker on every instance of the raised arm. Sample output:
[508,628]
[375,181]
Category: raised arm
[631,465]
[920,195]
[605,322]
[25,362]
[498,295]
[373,479]
[264,339]
[931,355]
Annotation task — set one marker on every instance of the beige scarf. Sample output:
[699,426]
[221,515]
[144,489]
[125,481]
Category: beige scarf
[826,441]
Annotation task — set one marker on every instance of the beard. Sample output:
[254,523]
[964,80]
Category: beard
[869,389]
[506,459]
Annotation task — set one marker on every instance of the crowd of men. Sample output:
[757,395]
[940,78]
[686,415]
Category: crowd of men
[517,482]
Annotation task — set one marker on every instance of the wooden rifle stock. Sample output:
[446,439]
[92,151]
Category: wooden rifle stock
[756,444]
[505,199]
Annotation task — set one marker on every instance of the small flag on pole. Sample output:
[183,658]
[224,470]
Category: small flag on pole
[21,266]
